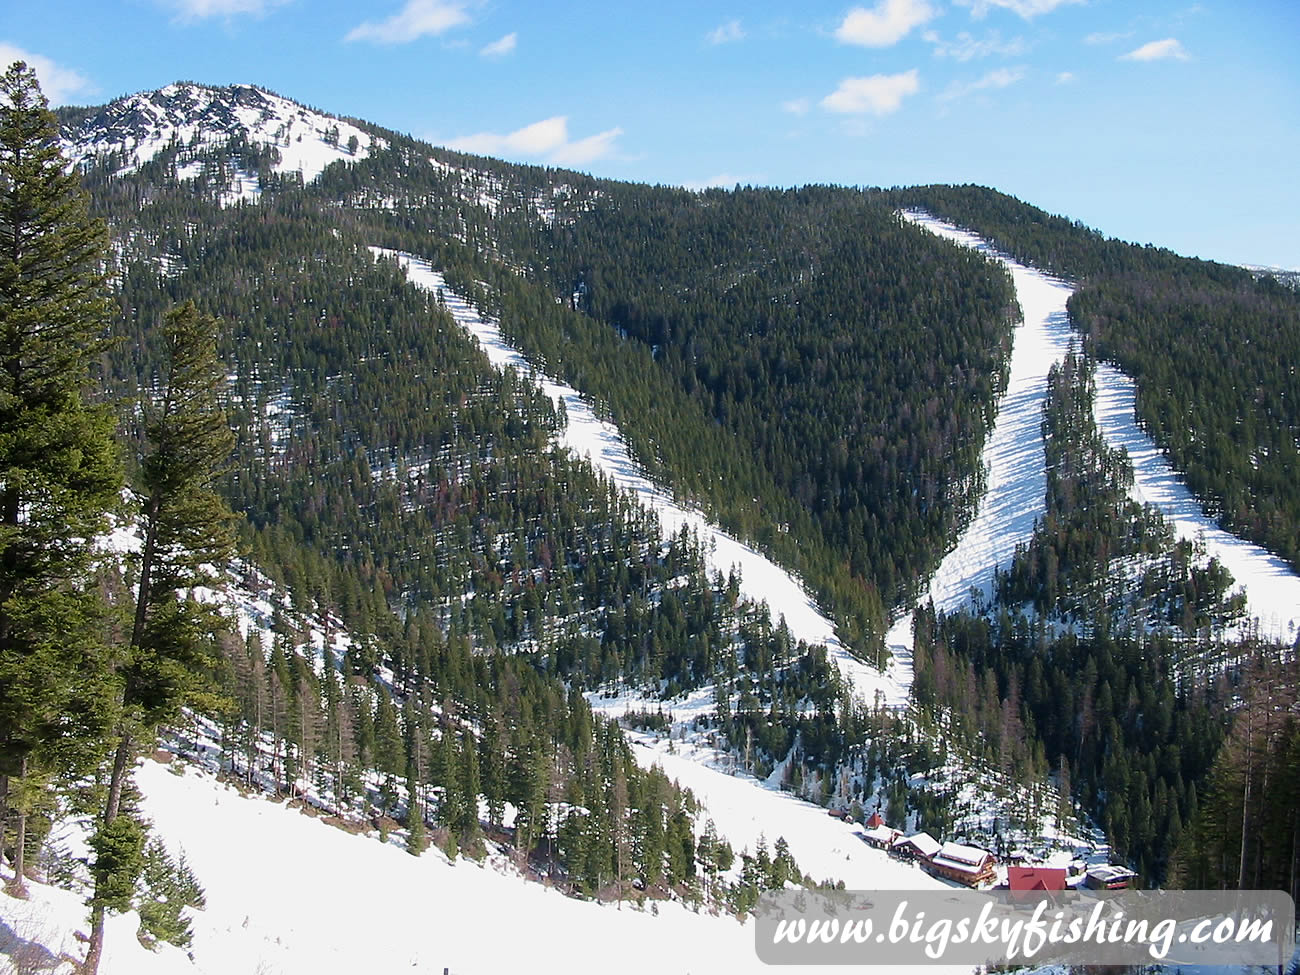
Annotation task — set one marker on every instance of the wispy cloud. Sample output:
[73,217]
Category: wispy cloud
[966,47]
[888,22]
[878,94]
[1157,51]
[57,82]
[547,139]
[586,150]
[203,9]
[419,18]
[998,78]
[1066,78]
[1028,9]
[726,33]
[796,106]
[1104,37]
[500,48]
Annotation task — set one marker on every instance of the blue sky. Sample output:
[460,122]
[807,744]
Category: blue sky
[1174,123]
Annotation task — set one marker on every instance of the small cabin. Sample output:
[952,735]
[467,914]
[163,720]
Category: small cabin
[1109,877]
[875,820]
[967,865]
[918,846]
[1036,879]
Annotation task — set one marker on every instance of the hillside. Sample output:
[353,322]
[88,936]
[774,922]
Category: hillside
[1208,346]
[586,530]
[815,306]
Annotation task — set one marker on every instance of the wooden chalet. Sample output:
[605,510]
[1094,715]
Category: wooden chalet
[918,846]
[967,865]
[882,837]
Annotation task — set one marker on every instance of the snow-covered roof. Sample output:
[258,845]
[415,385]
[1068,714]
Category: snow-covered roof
[971,855]
[881,834]
[923,843]
[1109,873]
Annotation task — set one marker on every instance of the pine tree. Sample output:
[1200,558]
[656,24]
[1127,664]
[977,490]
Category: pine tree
[450,809]
[59,470]
[188,532]
[470,787]
[494,770]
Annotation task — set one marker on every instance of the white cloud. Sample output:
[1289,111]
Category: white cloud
[1066,78]
[1028,9]
[547,139]
[966,47]
[796,106]
[500,48]
[1100,37]
[203,9]
[419,18]
[586,150]
[888,22]
[878,94]
[726,33]
[1157,51]
[58,83]
[998,78]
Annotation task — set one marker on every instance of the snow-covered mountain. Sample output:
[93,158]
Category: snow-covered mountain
[193,117]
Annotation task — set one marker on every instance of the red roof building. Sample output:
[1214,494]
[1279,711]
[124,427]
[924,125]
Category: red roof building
[1030,879]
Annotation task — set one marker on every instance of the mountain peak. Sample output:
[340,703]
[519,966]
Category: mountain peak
[196,116]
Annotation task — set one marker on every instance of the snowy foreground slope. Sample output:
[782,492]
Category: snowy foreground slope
[1017,479]
[588,436]
[288,894]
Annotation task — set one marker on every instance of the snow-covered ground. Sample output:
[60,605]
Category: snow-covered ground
[747,810]
[1017,479]
[1272,588]
[588,436]
[287,893]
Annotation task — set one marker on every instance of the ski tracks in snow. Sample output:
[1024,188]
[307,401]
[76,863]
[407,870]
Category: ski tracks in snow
[1017,479]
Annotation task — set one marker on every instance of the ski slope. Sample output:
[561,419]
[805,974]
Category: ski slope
[288,894]
[1017,479]
[588,436]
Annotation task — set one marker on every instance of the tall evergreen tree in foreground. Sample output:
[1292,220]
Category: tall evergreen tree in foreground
[188,530]
[59,469]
